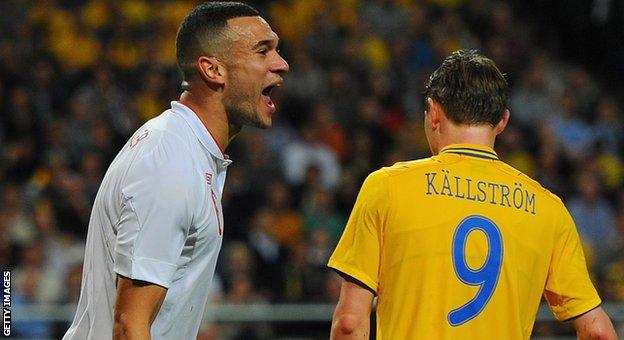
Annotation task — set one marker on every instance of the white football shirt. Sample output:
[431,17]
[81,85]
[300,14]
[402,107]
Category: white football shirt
[157,217]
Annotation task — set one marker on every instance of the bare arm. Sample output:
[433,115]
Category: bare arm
[352,315]
[136,306]
[594,324]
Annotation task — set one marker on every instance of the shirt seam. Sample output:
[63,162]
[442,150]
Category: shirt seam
[462,148]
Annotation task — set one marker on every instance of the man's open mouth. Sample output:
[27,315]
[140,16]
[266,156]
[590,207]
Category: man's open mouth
[266,94]
[267,90]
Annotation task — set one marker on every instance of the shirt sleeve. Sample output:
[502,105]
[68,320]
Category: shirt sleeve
[155,217]
[358,252]
[569,290]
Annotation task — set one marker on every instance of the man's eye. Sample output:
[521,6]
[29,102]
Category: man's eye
[263,51]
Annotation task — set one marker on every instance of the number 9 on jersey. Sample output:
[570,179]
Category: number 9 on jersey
[485,277]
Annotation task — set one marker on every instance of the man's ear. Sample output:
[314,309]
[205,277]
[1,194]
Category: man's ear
[435,113]
[500,127]
[211,70]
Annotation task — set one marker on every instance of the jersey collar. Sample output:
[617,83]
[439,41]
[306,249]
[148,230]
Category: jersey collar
[200,131]
[471,150]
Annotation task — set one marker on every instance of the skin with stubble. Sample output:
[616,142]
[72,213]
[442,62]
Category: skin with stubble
[234,88]
[244,101]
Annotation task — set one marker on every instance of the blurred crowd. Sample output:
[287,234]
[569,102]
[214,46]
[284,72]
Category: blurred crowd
[77,77]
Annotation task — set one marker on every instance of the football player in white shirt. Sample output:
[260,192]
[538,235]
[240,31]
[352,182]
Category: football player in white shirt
[156,226]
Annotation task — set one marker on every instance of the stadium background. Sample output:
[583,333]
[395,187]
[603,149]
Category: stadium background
[77,77]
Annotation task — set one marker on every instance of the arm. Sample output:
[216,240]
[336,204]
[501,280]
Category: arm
[136,306]
[352,315]
[594,324]
[357,258]
[155,217]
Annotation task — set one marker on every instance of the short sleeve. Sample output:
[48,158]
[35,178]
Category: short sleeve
[569,290]
[359,250]
[155,217]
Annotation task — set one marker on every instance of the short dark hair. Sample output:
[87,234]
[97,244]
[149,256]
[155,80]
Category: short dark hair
[470,88]
[202,28]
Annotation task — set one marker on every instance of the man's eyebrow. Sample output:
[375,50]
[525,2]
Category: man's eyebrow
[265,42]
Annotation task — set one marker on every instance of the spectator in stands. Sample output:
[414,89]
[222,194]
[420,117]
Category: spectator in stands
[308,151]
[594,218]
[269,254]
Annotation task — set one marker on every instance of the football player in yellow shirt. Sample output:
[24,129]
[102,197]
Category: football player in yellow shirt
[461,245]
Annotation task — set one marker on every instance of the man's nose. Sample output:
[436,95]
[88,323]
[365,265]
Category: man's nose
[280,65]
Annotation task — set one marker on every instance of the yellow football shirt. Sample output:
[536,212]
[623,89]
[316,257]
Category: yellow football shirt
[463,246]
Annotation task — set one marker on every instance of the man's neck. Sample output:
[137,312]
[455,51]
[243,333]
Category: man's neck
[483,135]
[212,114]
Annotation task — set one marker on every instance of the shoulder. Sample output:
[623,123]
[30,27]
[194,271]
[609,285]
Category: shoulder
[382,178]
[168,128]
[160,151]
[408,166]
[165,137]
[530,182]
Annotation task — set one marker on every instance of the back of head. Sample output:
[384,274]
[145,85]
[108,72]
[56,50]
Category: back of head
[203,32]
[470,89]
